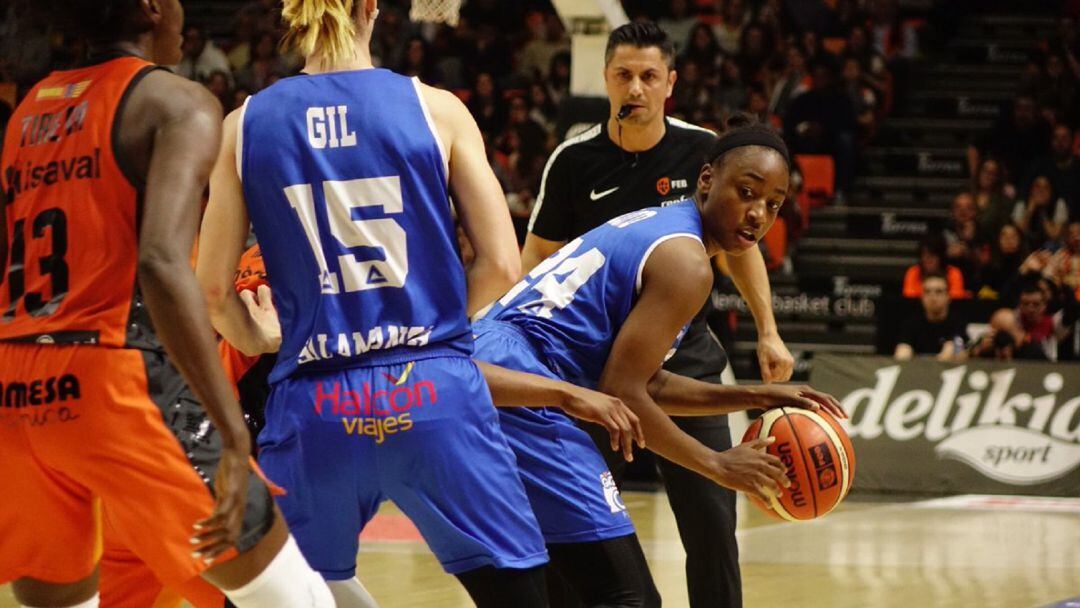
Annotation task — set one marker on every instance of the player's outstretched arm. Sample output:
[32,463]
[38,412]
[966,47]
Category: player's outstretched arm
[676,280]
[511,388]
[752,279]
[681,396]
[221,243]
[182,123]
[479,200]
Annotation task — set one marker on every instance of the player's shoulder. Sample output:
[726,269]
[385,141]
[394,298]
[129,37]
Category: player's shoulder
[171,96]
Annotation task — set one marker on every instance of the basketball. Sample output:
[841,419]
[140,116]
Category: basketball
[819,459]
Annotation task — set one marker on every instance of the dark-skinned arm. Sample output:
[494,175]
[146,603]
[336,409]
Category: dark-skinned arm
[681,396]
[676,280]
[184,124]
[511,388]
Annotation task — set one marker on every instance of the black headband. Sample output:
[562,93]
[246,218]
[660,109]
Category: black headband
[750,136]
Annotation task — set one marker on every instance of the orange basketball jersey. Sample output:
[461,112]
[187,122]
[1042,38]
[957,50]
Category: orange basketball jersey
[71,213]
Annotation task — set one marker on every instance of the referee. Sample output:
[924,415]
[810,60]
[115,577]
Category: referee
[640,158]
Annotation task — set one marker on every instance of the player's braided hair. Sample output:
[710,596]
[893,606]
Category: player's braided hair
[320,25]
[741,130]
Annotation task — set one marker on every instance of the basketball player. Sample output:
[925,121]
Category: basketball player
[345,173]
[641,158]
[605,311]
[103,170]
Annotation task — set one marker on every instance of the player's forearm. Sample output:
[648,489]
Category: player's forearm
[231,319]
[661,434]
[510,388]
[180,322]
[681,396]
[752,279]
[487,280]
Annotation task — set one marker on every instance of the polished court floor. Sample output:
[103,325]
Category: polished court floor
[961,552]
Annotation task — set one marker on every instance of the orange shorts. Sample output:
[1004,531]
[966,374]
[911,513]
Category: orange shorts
[84,422]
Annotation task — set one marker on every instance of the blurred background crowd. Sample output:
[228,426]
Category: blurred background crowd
[824,73]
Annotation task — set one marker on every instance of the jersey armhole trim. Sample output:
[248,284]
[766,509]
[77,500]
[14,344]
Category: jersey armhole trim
[122,162]
[240,139]
[655,244]
[431,127]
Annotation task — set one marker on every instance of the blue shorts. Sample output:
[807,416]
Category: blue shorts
[569,486]
[423,434]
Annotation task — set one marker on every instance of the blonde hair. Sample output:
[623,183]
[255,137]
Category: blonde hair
[325,26]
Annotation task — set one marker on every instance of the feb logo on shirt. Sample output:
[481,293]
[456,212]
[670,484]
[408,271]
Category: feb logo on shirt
[663,185]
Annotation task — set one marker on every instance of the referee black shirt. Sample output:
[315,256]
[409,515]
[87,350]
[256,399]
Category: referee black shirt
[589,180]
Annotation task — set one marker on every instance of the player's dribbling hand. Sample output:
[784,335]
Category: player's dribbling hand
[798,395]
[261,308]
[219,532]
[748,468]
[610,412]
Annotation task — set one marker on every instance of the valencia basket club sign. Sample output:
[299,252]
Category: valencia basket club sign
[978,427]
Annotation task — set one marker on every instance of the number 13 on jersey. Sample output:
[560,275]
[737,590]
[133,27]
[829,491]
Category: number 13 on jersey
[383,234]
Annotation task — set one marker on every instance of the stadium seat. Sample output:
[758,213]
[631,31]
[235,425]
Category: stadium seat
[819,178]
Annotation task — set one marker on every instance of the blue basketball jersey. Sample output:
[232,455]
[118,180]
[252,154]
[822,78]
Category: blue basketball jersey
[572,304]
[345,180]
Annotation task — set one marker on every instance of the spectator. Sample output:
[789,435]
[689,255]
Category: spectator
[1017,137]
[1040,328]
[733,18]
[218,85]
[558,80]
[543,109]
[992,199]
[874,70]
[1042,216]
[486,106]
[704,49]
[893,37]
[1063,268]
[935,330]
[862,98]
[245,26]
[1061,166]
[677,23]
[846,16]
[447,59]
[389,38]
[1007,254]
[731,91]
[1005,340]
[932,262]
[1057,87]
[201,57]
[965,243]
[757,103]
[693,93]
[265,67]
[418,62]
[823,121]
[547,38]
[793,82]
[755,52]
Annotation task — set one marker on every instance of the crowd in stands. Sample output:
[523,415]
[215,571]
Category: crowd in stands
[820,75]
[1013,237]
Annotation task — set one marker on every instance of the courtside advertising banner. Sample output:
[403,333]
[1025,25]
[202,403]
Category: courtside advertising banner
[925,426]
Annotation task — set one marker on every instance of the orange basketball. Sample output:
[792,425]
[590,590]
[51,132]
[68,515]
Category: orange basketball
[819,459]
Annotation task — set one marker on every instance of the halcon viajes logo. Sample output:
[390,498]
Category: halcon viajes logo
[1018,436]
